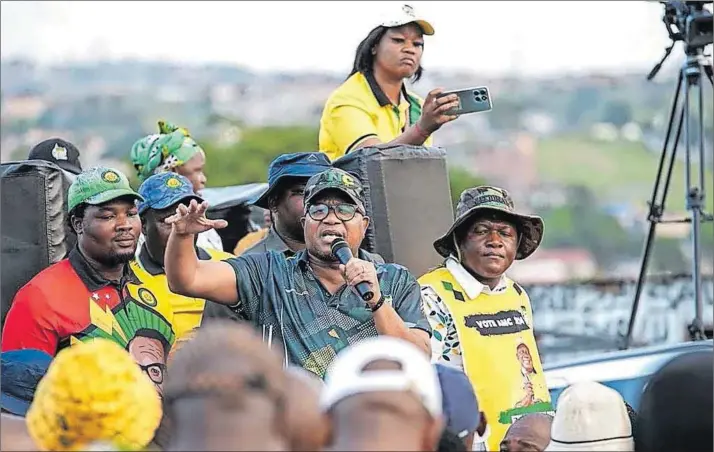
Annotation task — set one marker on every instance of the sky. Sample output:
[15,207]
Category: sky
[532,38]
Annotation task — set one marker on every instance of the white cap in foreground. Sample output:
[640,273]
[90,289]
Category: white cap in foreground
[406,15]
[346,376]
[590,417]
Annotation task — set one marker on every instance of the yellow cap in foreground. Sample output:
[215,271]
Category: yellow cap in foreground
[94,392]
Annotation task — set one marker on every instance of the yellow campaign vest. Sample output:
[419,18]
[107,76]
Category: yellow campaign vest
[498,349]
[187,311]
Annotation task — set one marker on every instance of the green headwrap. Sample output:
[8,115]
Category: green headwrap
[158,153]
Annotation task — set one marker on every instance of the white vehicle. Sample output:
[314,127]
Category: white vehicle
[627,371]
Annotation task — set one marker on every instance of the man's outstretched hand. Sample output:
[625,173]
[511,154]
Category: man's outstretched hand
[192,219]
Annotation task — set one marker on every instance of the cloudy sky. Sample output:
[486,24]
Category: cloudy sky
[492,37]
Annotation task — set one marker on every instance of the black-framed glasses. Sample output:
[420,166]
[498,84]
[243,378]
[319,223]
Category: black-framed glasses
[343,212]
[155,372]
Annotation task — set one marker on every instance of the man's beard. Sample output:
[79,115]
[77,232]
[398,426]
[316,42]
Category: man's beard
[295,231]
[113,258]
[325,257]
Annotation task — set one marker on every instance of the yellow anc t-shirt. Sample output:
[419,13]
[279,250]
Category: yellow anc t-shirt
[187,311]
[498,349]
[358,110]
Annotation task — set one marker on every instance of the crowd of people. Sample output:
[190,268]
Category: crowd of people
[150,335]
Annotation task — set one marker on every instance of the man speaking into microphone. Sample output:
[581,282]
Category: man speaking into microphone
[318,301]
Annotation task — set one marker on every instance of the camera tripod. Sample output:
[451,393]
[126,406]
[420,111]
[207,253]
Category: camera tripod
[689,80]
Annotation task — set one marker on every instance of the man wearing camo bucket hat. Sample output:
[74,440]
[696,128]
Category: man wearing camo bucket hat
[482,321]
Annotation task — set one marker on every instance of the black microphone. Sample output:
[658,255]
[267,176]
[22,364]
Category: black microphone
[341,250]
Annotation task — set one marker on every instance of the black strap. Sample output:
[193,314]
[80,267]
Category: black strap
[379,304]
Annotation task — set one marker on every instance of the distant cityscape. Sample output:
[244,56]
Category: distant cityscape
[104,107]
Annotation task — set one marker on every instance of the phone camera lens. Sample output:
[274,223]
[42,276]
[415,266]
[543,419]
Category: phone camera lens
[482,92]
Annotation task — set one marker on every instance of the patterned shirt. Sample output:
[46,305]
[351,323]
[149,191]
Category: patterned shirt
[282,296]
[445,345]
[71,302]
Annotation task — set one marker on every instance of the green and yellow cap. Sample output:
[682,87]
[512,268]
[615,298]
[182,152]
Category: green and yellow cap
[99,185]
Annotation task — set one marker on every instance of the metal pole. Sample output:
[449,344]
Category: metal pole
[657,203]
[695,193]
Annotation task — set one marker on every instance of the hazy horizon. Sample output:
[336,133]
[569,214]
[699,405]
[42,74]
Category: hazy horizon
[519,38]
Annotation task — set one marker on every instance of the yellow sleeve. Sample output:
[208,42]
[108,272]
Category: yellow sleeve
[348,125]
[249,240]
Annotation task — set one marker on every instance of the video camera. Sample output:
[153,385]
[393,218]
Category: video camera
[690,22]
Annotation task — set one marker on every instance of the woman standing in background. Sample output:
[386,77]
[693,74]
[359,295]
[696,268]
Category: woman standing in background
[173,149]
[373,105]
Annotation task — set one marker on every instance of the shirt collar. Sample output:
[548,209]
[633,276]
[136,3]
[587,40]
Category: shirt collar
[303,259]
[154,269]
[91,278]
[470,284]
[274,242]
[379,93]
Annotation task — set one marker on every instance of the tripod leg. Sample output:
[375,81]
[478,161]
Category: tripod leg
[708,72]
[657,205]
[695,203]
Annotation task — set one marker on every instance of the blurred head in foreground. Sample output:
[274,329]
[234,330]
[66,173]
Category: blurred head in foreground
[382,393]
[307,427]
[530,433]
[226,390]
[675,411]
[94,392]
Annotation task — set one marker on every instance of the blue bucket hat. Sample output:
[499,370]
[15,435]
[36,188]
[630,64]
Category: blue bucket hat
[164,190]
[22,370]
[298,164]
[458,401]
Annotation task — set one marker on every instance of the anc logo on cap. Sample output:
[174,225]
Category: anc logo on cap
[59,152]
[110,176]
[337,177]
[173,182]
[147,297]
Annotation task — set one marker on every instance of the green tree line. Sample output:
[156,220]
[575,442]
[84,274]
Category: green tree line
[577,224]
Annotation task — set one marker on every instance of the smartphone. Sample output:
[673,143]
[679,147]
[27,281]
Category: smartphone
[471,100]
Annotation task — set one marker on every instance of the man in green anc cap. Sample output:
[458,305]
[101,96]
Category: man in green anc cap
[308,303]
[93,293]
[482,321]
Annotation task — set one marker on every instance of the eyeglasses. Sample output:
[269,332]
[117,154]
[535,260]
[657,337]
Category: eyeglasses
[344,212]
[155,372]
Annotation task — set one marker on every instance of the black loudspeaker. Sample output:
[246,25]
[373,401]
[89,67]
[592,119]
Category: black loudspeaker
[408,200]
[33,222]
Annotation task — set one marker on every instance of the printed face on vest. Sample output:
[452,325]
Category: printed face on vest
[399,51]
[319,234]
[108,233]
[523,354]
[148,352]
[489,245]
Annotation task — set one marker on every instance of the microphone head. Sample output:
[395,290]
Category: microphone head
[337,244]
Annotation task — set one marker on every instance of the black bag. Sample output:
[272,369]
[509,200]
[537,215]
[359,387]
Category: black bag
[408,199]
[35,232]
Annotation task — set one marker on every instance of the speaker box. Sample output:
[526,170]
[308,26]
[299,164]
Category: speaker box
[408,200]
[33,222]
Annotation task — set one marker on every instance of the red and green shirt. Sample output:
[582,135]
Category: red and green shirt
[70,301]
